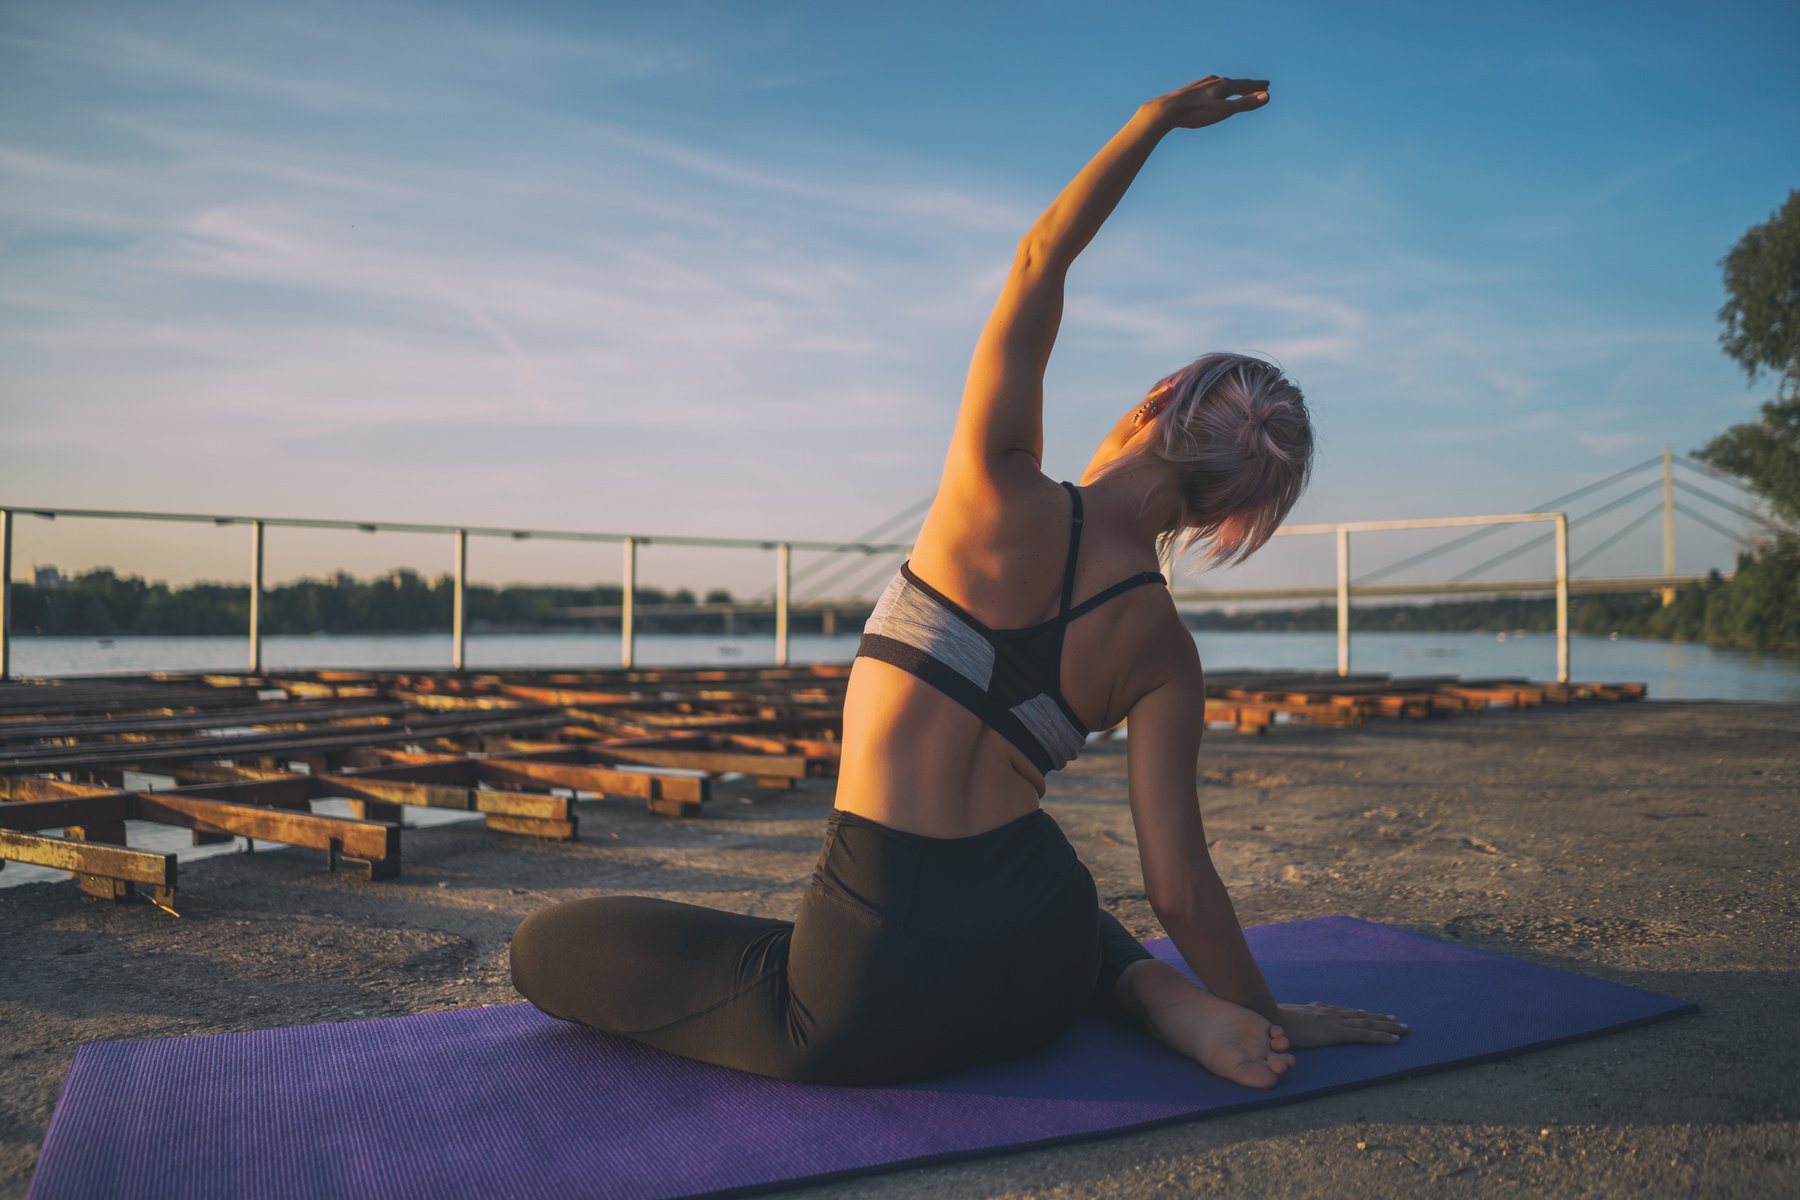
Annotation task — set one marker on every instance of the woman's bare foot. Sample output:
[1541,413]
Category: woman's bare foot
[1230,1041]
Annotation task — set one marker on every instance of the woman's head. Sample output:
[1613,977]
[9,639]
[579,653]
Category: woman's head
[1239,437]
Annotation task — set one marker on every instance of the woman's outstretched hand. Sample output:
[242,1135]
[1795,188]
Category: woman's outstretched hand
[1209,101]
[1320,1024]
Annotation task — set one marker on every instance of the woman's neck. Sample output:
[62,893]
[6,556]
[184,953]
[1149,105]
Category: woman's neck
[1138,499]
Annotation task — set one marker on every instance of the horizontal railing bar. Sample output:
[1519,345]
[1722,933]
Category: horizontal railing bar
[489,531]
[586,612]
[1412,523]
[1598,585]
[1594,586]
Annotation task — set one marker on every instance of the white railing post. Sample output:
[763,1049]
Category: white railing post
[1668,593]
[6,526]
[1343,599]
[256,597]
[627,606]
[1562,597]
[783,553]
[459,600]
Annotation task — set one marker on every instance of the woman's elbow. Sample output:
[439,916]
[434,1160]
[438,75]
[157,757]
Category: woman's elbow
[1035,256]
[1177,901]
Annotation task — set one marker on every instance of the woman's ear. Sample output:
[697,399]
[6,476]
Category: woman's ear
[1147,412]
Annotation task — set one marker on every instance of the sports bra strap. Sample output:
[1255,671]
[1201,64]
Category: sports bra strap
[1124,585]
[1068,582]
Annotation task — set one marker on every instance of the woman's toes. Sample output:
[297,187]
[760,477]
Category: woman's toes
[1255,1074]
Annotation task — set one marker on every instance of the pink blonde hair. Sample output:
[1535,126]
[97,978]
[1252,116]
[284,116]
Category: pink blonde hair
[1239,434]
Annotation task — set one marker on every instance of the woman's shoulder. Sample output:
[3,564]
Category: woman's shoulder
[1146,649]
[995,528]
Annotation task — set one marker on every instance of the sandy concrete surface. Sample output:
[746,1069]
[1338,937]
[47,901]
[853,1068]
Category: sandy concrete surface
[1646,843]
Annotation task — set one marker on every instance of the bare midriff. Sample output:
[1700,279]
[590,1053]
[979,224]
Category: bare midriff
[916,760]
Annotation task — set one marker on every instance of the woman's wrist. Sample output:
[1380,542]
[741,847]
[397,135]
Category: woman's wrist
[1153,117]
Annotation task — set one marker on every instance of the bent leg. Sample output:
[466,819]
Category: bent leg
[1118,950]
[690,980]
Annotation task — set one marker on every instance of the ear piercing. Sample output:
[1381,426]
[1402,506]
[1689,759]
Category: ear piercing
[1149,408]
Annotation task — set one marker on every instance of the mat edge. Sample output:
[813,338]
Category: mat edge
[945,1158]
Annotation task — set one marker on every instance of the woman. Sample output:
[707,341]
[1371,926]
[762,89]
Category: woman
[949,922]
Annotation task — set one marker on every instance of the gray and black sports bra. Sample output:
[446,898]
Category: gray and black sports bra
[1010,678]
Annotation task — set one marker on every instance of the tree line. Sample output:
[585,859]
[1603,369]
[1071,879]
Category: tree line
[1723,612]
[102,602]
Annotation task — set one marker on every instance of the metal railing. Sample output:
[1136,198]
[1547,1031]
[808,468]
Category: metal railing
[461,534]
[1343,530]
[628,609]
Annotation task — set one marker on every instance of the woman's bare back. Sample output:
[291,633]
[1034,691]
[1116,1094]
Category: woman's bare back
[917,760]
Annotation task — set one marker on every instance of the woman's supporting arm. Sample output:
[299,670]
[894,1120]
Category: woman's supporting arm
[1002,406]
[1180,881]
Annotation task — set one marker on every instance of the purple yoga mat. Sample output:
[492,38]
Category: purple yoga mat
[504,1101]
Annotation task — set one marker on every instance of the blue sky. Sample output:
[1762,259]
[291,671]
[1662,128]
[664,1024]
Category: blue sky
[717,268]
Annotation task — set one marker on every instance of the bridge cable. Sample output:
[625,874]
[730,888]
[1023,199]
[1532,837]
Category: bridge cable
[1465,539]
[1714,472]
[1735,535]
[881,569]
[1652,511]
[1742,512]
[857,545]
[1574,523]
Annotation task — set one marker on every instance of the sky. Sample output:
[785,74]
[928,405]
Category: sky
[716,269]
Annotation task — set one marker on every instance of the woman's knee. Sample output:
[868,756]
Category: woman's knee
[534,947]
[551,946]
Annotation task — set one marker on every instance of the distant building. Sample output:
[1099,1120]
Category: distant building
[343,581]
[48,579]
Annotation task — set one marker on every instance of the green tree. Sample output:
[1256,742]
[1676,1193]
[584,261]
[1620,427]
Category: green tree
[1762,297]
[1761,316]
[1765,454]
[1761,607]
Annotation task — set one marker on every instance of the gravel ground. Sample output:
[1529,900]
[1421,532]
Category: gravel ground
[1646,843]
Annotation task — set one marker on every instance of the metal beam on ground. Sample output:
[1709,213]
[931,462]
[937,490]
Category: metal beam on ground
[89,858]
[376,843]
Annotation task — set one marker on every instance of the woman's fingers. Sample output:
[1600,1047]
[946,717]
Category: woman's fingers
[1371,1035]
[1339,1011]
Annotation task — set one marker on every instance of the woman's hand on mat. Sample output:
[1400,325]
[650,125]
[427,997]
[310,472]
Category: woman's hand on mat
[1320,1024]
[1209,101]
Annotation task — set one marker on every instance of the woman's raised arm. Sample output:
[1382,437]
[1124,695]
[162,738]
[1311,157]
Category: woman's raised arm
[1003,399]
